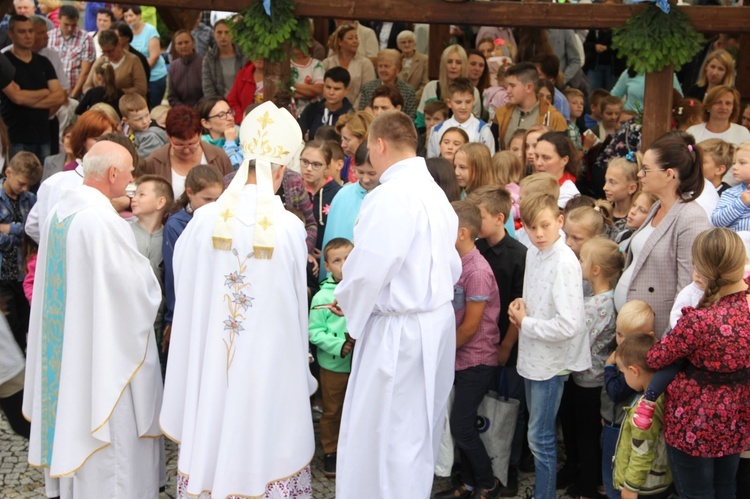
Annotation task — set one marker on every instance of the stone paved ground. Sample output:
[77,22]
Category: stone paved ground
[18,480]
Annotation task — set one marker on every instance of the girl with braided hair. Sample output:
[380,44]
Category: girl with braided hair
[706,415]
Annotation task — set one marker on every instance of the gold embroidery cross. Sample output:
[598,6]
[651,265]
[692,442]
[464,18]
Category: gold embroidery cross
[265,120]
[265,223]
[226,215]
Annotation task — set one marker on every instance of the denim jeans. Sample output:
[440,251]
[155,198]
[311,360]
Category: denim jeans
[156,91]
[41,150]
[703,477]
[609,446]
[543,400]
[601,77]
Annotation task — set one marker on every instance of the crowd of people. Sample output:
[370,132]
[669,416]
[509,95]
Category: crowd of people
[184,255]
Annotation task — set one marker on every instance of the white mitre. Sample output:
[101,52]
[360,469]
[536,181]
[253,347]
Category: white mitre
[267,135]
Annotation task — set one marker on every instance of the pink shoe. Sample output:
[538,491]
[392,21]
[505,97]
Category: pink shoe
[644,414]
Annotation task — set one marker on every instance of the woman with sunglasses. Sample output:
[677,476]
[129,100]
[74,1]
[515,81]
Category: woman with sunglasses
[217,121]
[184,150]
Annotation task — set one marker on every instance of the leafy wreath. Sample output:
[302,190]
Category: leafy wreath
[652,40]
[270,31]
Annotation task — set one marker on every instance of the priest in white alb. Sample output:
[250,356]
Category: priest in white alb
[238,383]
[93,385]
[396,296]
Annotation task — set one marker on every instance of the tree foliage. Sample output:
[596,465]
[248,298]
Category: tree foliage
[271,37]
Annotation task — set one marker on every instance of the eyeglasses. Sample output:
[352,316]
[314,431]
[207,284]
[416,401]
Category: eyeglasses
[193,145]
[223,115]
[315,165]
[647,170]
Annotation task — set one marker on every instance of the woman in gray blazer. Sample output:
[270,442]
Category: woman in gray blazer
[659,261]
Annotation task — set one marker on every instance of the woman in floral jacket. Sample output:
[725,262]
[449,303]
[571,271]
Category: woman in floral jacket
[707,414]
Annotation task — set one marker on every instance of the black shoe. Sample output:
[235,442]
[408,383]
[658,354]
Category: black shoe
[459,491]
[329,465]
[510,489]
[566,475]
[493,493]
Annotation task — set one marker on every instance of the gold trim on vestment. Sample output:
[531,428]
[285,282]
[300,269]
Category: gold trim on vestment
[250,497]
[105,421]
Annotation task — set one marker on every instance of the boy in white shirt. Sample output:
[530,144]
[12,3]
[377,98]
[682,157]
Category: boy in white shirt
[461,102]
[552,338]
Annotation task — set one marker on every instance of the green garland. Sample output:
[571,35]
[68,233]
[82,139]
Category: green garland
[652,40]
[271,37]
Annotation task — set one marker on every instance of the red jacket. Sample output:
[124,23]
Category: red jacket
[243,91]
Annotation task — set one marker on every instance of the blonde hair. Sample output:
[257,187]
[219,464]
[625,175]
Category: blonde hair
[630,170]
[719,256]
[538,183]
[532,206]
[721,152]
[574,92]
[636,315]
[606,254]
[159,112]
[745,146]
[596,219]
[358,124]
[650,197]
[443,78]
[508,167]
[493,198]
[131,103]
[725,59]
[108,111]
[479,161]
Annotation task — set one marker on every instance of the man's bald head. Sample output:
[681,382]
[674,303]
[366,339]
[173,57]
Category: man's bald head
[108,167]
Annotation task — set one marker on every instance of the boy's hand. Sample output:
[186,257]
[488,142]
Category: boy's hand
[347,348]
[335,309]
[517,312]
[166,335]
[5,228]
[612,359]
[230,133]
[628,494]
[314,261]
[745,197]
[503,352]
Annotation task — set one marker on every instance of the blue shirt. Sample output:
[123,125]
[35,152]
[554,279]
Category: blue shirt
[732,212]
[560,102]
[140,43]
[172,230]
[342,217]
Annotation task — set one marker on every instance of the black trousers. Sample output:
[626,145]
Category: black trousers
[581,424]
[471,385]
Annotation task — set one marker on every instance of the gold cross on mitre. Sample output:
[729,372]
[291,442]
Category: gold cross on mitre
[265,120]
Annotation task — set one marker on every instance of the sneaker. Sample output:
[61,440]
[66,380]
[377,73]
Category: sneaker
[459,491]
[317,413]
[644,414]
[510,489]
[329,465]
[493,493]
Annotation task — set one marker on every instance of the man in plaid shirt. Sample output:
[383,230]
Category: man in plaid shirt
[76,49]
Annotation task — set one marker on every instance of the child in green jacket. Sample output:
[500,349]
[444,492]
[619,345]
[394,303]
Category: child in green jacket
[641,467]
[328,332]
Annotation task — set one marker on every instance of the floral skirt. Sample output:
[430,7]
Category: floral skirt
[298,486]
